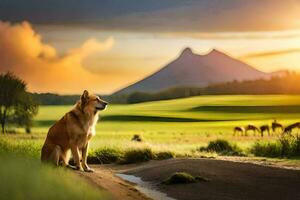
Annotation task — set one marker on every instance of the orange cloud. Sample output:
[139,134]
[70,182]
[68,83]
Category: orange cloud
[271,53]
[23,52]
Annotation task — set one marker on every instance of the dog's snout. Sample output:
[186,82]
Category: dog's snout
[105,103]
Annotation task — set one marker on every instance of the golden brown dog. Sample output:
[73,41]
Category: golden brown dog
[73,131]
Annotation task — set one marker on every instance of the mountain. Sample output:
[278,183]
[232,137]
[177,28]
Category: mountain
[190,69]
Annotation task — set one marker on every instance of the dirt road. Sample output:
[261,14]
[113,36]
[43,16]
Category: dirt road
[228,180]
[104,178]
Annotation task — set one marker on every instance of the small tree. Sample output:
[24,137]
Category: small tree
[16,105]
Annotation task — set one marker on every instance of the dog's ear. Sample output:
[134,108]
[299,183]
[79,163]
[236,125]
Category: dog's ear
[84,97]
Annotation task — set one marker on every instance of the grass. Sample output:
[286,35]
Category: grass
[23,177]
[103,155]
[26,148]
[179,126]
[168,129]
[250,109]
[285,146]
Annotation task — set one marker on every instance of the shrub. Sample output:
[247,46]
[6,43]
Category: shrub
[164,155]
[222,147]
[179,178]
[285,146]
[106,156]
[137,155]
[183,178]
[296,146]
[112,155]
[266,149]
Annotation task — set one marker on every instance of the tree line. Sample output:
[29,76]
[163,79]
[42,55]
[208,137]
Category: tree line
[285,84]
[54,99]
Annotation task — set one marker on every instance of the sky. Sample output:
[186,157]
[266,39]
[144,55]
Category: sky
[105,45]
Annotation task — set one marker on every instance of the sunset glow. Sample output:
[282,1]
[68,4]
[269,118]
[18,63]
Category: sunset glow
[66,58]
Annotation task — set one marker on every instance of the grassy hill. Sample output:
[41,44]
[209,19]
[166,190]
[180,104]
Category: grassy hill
[181,124]
[26,178]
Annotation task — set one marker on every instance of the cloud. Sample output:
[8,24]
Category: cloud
[286,34]
[270,53]
[159,16]
[23,52]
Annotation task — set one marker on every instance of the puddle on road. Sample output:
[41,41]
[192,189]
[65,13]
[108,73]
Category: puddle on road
[145,187]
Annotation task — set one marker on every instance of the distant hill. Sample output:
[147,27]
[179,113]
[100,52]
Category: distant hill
[194,70]
[55,99]
[279,83]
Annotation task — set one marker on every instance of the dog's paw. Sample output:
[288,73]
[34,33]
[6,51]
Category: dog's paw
[75,168]
[71,167]
[79,168]
[88,170]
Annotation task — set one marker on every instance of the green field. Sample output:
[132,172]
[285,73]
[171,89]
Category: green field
[180,125]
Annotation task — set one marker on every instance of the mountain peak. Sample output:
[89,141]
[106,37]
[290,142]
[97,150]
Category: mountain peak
[215,51]
[187,52]
[193,70]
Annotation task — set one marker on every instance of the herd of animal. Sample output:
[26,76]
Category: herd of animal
[275,126]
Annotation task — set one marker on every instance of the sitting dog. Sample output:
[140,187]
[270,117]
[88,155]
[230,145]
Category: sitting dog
[73,132]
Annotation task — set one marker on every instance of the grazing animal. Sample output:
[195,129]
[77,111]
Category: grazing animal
[264,128]
[276,125]
[251,128]
[73,132]
[289,129]
[238,129]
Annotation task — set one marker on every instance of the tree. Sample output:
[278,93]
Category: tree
[16,104]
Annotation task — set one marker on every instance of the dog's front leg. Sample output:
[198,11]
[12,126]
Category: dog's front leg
[84,158]
[75,153]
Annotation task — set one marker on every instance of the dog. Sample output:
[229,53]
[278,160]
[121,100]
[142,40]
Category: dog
[73,132]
